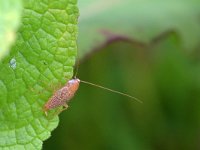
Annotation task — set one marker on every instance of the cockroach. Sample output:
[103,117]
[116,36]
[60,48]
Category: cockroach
[62,96]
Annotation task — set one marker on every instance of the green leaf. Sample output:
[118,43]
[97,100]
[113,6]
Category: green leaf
[103,20]
[10,12]
[40,61]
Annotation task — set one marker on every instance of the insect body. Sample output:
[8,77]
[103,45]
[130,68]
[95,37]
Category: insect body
[62,96]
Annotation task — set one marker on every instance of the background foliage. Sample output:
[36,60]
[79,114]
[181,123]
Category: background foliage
[148,49]
[10,11]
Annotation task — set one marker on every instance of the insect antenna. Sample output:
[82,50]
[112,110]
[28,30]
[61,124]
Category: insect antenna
[114,91]
[76,68]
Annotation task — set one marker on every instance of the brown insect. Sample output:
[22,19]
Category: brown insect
[62,96]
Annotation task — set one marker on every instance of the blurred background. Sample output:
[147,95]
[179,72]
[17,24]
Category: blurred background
[150,50]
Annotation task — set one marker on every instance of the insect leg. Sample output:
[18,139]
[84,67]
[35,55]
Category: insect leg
[46,113]
[64,107]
